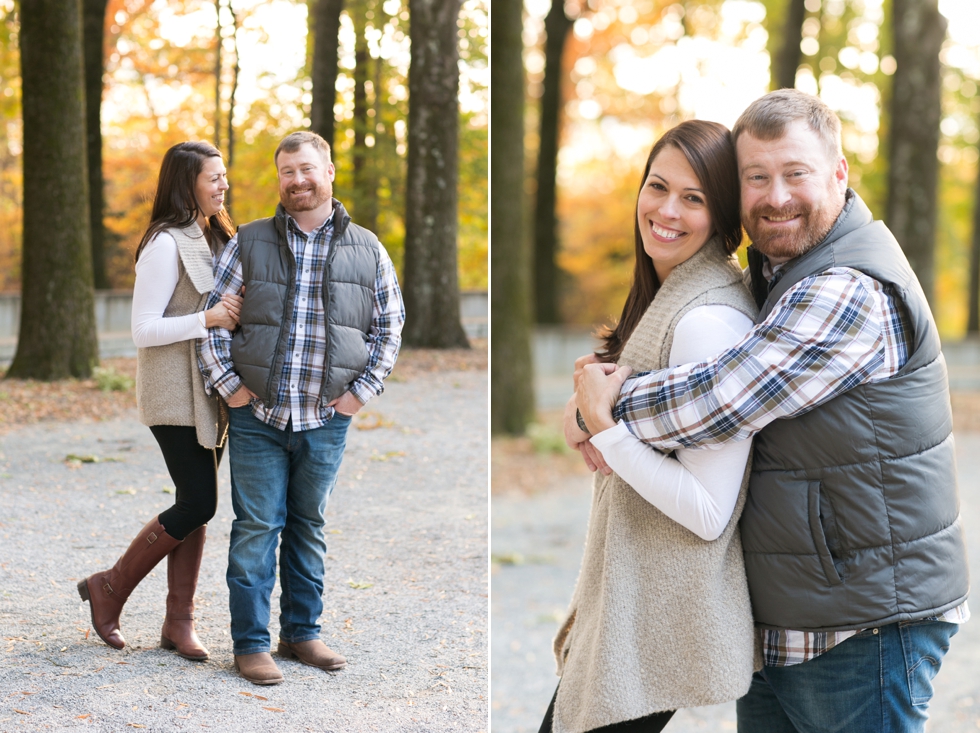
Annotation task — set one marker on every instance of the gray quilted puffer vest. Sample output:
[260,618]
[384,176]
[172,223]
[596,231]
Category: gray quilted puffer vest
[269,270]
[852,518]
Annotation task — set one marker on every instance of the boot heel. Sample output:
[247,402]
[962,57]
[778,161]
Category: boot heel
[83,589]
[165,643]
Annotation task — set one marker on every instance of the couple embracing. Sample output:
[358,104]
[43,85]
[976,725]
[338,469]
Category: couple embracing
[274,336]
[775,518]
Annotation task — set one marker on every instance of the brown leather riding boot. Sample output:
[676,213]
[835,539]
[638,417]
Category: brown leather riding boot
[183,564]
[107,591]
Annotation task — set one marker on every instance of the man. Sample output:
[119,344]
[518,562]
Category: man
[320,331]
[853,546]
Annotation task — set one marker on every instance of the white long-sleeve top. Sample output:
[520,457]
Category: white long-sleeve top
[696,487]
[156,280]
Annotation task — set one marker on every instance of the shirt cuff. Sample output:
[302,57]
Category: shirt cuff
[361,391]
[228,383]
[610,436]
[202,319]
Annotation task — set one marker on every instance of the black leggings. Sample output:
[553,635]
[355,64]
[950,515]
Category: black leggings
[648,724]
[194,470]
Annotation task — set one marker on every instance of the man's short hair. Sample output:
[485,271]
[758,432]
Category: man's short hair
[292,142]
[767,117]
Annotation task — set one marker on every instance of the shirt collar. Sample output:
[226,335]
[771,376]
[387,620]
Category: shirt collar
[328,222]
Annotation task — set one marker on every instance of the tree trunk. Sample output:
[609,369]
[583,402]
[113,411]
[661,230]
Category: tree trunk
[57,322]
[93,26]
[973,297]
[431,277]
[788,60]
[913,173]
[365,209]
[217,77]
[546,273]
[230,150]
[325,24]
[511,377]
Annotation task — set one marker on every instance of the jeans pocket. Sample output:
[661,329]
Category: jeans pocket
[924,644]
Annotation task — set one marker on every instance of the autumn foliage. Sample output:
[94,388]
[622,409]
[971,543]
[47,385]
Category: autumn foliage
[160,89]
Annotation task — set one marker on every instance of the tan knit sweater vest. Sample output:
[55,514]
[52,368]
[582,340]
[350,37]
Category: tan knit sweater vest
[169,386]
[660,619]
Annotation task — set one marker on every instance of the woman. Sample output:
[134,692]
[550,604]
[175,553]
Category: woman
[188,229]
[660,617]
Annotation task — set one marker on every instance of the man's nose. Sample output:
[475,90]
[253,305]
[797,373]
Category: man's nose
[778,194]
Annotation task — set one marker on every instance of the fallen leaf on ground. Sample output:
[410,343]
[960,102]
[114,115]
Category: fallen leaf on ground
[358,585]
[372,421]
[81,459]
[246,694]
[275,710]
[87,715]
[386,456]
[20,711]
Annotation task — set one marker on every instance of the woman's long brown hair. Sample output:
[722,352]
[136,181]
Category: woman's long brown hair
[175,205]
[709,150]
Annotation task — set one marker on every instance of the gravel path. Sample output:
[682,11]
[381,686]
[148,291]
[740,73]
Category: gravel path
[405,597]
[537,548]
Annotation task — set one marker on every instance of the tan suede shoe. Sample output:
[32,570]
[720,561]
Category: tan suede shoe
[258,668]
[314,653]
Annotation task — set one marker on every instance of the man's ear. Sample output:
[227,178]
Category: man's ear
[331,171]
[841,174]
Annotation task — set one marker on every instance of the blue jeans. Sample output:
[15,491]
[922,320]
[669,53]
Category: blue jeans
[280,482]
[878,681]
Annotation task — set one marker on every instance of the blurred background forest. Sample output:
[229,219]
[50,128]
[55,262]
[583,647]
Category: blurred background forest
[238,73]
[601,80]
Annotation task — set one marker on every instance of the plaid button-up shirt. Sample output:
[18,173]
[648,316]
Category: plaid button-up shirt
[298,397]
[826,335]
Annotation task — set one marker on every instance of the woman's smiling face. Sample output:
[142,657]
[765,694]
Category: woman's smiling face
[672,212]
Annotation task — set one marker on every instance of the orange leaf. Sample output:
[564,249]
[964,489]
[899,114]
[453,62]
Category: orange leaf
[275,710]
[23,713]
[246,694]
[259,697]
[87,715]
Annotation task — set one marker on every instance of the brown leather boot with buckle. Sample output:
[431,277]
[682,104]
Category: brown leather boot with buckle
[107,591]
[183,565]
[314,653]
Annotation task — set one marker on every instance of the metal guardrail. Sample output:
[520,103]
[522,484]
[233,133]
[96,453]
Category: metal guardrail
[112,320]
